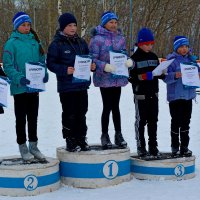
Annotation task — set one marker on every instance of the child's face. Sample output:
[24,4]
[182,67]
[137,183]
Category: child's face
[70,29]
[183,50]
[146,47]
[24,28]
[111,25]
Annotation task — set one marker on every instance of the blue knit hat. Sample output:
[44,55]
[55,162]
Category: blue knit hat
[145,36]
[20,18]
[65,19]
[107,16]
[180,41]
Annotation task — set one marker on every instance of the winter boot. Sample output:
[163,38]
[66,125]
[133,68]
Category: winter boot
[175,152]
[105,141]
[119,140]
[184,151]
[141,151]
[72,145]
[82,142]
[153,151]
[25,154]
[35,151]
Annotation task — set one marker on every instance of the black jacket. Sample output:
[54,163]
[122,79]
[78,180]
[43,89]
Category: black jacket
[61,54]
[145,63]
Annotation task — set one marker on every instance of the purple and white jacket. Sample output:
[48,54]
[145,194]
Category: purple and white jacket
[101,43]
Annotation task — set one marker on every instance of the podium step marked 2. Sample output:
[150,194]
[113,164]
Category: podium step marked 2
[27,179]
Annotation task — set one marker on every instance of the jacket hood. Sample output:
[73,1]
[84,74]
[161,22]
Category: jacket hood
[58,36]
[174,55]
[99,30]
[61,37]
[17,35]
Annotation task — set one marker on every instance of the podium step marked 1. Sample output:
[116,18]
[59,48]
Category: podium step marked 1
[95,168]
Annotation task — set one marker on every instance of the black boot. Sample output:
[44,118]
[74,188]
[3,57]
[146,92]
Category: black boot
[175,152]
[72,145]
[119,140]
[105,141]
[153,151]
[82,142]
[141,151]
[184,151]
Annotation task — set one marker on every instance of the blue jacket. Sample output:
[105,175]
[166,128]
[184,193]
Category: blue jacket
[175,88]
[61,55]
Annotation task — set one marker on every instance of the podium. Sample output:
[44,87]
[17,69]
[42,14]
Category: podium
[19,178]
[95,168]
[179,168]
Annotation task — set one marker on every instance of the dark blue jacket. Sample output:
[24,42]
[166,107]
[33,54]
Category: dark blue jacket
[61,55]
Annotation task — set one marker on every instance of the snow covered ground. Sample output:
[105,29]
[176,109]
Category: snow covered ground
[50,137]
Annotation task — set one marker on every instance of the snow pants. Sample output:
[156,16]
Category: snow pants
[74,109]
[146,113]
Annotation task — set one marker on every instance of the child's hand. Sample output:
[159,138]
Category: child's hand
[178,75]
[93,67]
[129,63]
[24,81]
[70,70]
[109,68]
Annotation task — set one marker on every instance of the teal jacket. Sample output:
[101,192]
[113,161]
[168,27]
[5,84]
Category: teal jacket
[18,50]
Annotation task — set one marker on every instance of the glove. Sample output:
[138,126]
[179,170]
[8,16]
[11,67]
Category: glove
[109,68]
[24,81]
[164,71]
[149,76]
[46,78]
[129,63]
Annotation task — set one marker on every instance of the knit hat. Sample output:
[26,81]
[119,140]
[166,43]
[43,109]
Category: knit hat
[145,36]
[20,18]
[65,19]
[180,41]
[107,16]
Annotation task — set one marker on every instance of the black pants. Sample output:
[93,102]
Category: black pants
[146,113]
[181,111]
[26,108]
[111,98]
[74,109]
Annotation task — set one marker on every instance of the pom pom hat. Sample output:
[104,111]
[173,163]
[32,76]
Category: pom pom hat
[107,16]
[20,18]
[65,19]
[180,41]
[145,36]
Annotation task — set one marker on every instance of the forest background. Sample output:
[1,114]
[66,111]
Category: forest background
[167,18]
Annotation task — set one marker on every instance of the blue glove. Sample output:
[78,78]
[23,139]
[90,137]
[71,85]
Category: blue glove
[149,76]
[46,78]
[24,81]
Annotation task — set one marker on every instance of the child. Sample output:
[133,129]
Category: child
[107,37]
[145,89]
[24,46]
[179,97]
[73,95]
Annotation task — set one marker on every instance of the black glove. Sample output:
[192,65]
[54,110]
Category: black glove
[46,78]
[24,81]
